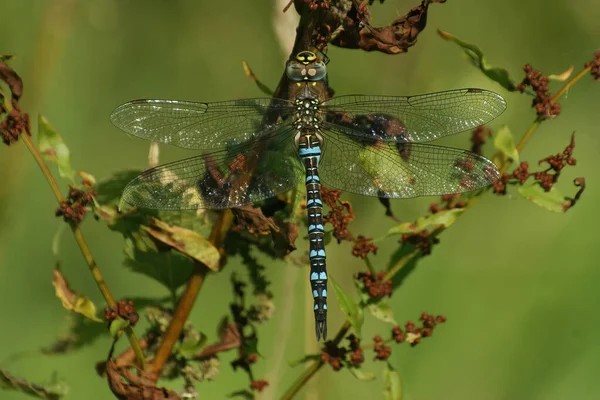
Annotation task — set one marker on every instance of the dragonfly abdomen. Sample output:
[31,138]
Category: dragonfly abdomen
[309,150]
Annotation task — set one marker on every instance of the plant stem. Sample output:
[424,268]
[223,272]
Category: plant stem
[180,315]
[184,307]
[302,380]
[400,264]
[370,266]
[83,246]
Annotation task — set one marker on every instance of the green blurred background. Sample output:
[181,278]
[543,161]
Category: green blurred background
[518,284]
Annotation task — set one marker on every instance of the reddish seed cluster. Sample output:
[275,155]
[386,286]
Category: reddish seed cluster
[556,162]
[478,138]
[333,355]
[362,247]
[397,334]
[123,309]
[448,202]
[420,240]
[543,101]
[357,356]
[258,386]
[73,209]
[595,65]
[252,358]
[323,33]
[414,334]
[382,352]
[546,178]
[13,124]
[521,173]
[336,355]
[340,216]
[375,285]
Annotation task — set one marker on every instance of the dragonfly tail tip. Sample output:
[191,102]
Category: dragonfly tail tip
[321,329]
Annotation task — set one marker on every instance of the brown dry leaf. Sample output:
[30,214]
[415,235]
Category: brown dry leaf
[229,338]
[12,79]
[393,39]
[70,299]
[248,218]
[126,385]
[186,242]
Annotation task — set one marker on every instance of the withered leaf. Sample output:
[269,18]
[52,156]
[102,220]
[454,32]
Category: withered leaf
[229,338]
[186,242]
[137,387]
[12,79]
[70,299]
[53,391]
[396,38]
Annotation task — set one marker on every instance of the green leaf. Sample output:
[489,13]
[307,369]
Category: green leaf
[360,374]
[552,200]
[186,242]
[379,308]
[116,327]
[192,345]
[349,307]
[403,250]
[444,217]
[305,359]
[244,394]
[505,144]
[382,311]
[110,190]
[475,55]
[80,332]
[54,149]
[327,236]
[70,299]
[169,268]
[393,385]
[53,391]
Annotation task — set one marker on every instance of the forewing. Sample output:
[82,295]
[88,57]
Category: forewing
[412,119]
[400,170]
[204,126]
[221,179]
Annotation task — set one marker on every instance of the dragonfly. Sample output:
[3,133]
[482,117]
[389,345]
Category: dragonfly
[257,148]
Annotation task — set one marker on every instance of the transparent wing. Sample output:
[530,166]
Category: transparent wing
[412,119]
[220,179]
[204,126]
[400,170]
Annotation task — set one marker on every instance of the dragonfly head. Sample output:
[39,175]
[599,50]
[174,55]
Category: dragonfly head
[306,67]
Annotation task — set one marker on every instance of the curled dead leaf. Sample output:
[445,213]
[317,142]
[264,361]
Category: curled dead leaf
[70,299]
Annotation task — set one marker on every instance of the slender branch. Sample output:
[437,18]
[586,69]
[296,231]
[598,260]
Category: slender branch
[83,246]
[400,264]
[179,317]
[370,265]
[570,83]
[302,380]
[184,307]
[43,166]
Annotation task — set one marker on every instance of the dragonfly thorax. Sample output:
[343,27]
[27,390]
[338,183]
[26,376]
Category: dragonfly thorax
[307,114]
